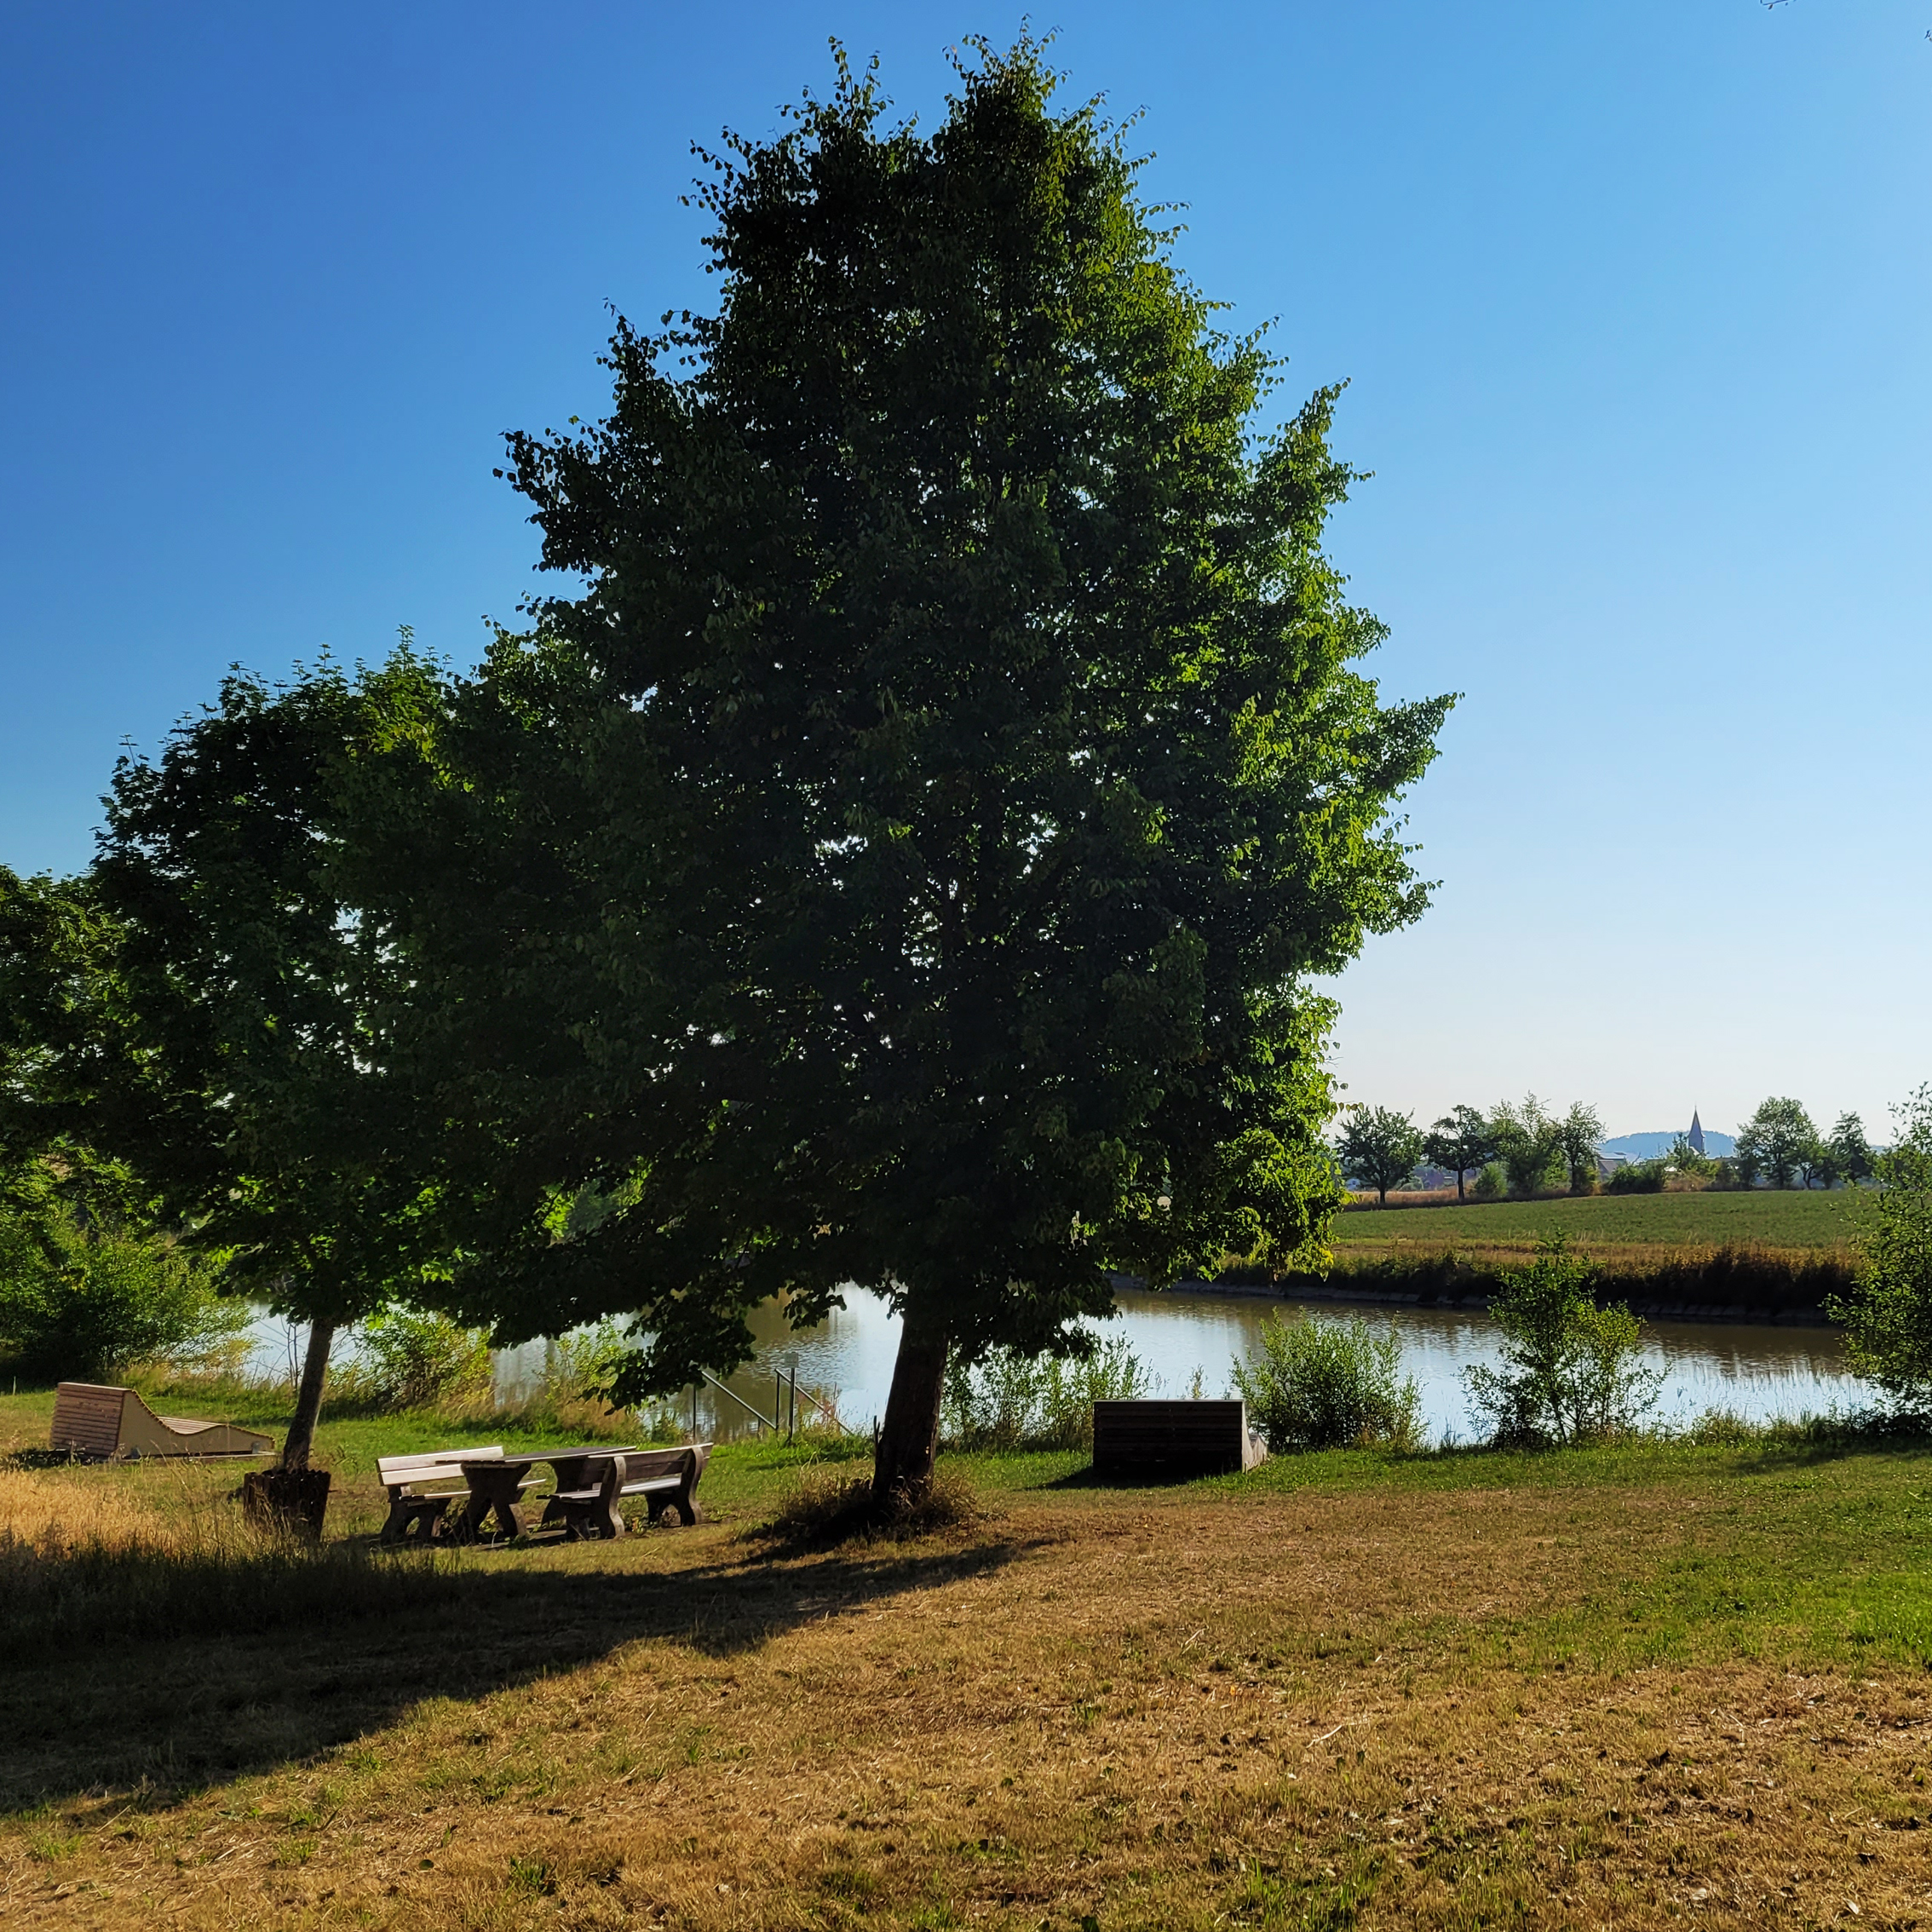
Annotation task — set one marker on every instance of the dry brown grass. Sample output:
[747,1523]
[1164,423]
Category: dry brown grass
[1187,1711]
[827,1507]
[74,1506]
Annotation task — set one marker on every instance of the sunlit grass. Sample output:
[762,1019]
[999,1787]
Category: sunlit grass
[1607,1686]
[1764,1217]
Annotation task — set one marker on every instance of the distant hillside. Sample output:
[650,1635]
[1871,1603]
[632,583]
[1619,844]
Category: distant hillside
[1647,1147]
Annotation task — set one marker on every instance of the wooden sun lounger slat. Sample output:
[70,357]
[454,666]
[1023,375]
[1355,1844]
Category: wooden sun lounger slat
[99,1420]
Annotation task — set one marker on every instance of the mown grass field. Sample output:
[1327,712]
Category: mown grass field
[1628,1687]
[1785,1220]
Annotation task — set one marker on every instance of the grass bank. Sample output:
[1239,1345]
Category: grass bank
[1792,1220]
[1752,1256]
[1606,1687]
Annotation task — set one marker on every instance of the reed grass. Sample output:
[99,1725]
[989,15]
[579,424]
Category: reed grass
[101,1553]
[1734,1279]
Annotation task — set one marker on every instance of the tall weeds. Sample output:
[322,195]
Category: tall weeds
[83,1561]
[1316,1384]
[1010,1401]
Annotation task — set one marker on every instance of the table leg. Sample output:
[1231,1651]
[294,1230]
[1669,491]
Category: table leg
[492,1495]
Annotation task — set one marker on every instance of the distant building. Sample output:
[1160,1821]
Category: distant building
[1696,1135]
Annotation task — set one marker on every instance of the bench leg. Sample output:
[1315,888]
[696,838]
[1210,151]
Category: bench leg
[581,1521]
[415,1519]
[682,1507]
[427,1521]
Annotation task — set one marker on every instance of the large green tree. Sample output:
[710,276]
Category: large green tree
[1888,1311]
[1853,1160]
[1577,1134]
[1462,1142]
[1777,1141]
[1378,1148]
[903,862]
[1529,1142]
[208,1009]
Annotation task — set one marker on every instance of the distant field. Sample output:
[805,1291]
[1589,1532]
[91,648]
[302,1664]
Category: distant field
[1762,1219]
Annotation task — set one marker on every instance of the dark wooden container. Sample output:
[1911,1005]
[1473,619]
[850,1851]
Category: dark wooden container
[1175,1440]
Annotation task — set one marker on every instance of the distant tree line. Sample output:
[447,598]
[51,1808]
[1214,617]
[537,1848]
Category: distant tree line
[1520,1149]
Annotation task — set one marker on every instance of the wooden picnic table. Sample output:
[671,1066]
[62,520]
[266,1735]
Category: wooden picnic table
[496,1484]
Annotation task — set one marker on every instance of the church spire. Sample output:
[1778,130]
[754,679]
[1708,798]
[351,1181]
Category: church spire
[1696,1135]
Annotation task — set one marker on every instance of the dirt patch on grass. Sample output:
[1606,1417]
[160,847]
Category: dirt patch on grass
[1384,1710]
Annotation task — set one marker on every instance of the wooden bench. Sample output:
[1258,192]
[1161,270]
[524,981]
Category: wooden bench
[416,1513]
[668,1477]
[1173,1440]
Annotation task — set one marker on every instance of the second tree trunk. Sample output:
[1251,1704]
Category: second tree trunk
[308,1396]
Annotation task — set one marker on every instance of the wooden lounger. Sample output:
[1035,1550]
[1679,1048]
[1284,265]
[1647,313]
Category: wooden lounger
[668,1477]
[1174,1440]
[94,1420]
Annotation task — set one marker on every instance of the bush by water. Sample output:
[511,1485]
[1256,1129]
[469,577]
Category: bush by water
[1321,1384]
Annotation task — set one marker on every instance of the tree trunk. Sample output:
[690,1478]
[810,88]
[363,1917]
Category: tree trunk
[908,1442]
[1460,1171]
[308,1396]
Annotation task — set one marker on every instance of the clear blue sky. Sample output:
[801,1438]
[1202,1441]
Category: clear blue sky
[1633,300]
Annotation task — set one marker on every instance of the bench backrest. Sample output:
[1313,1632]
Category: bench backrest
[394,1470]
[1173,1438]
[640,1465]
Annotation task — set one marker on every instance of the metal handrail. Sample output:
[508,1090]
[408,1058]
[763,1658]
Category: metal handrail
[826,1409]
[772,1422]
[765,1421]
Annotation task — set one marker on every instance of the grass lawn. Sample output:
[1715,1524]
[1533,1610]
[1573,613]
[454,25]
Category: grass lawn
[1603,1688]
[1762,1218]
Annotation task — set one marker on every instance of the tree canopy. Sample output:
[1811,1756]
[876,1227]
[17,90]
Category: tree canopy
[1379,1148]
[207,1009]
[1778,1139]
[1461,1142]
[904,860]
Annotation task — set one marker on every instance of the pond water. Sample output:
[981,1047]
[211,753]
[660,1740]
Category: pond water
[1757,1372]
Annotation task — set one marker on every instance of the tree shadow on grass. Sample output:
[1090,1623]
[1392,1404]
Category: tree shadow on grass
[1159,1481]
[358,1640]
[1773,1458]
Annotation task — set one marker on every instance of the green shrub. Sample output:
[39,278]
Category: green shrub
[1322,1384]
[414,1359]
[80,1303]
[1637,1177]
[586,1362]
[1888,1309]
[1011,1400]
[1493,1184]
[572,1392]
[1570,1369]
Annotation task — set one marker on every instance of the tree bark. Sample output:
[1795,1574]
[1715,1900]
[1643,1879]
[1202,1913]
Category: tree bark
[908,1446]
[308,1396]
[1460,1172]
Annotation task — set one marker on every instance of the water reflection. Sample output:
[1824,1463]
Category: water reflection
[1758,1372]
[1755,1372]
